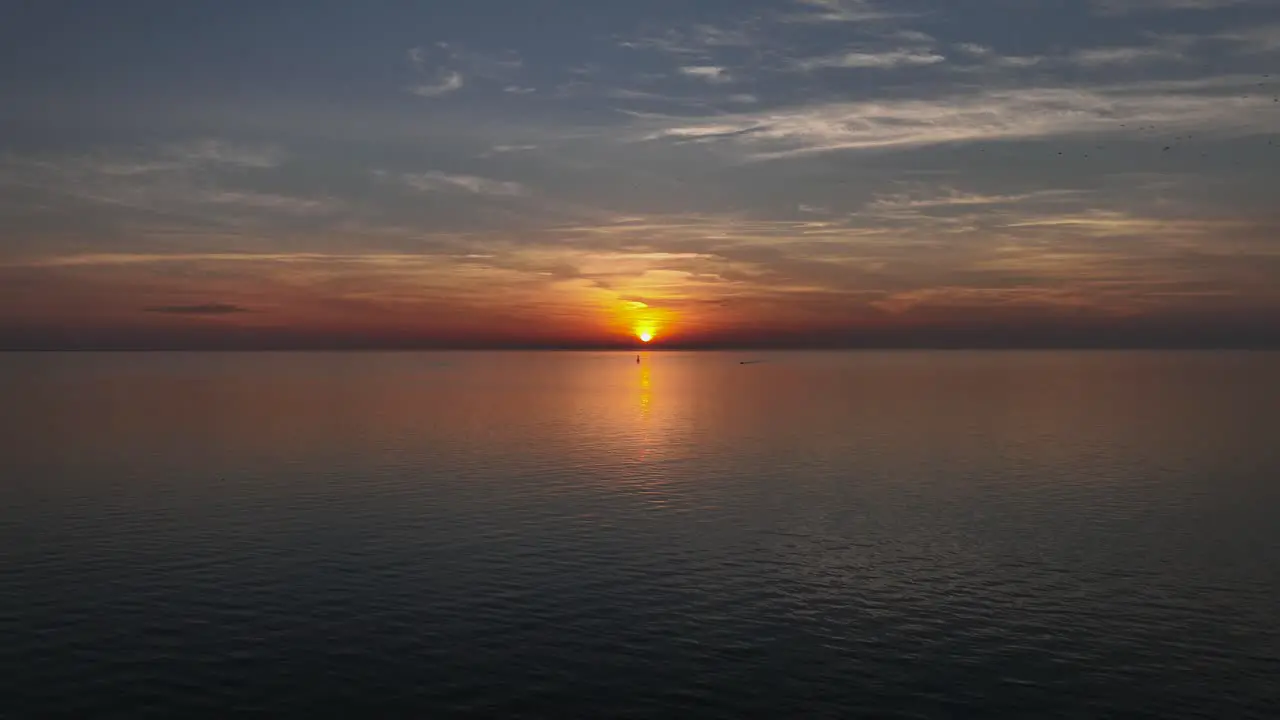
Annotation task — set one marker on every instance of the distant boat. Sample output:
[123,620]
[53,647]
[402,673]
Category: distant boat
[637,359]
[749,362]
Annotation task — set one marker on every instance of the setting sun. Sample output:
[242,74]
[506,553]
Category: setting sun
[644,335]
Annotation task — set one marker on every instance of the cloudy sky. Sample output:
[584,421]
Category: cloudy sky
[563,172]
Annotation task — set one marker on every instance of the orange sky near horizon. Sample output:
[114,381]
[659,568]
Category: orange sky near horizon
[405,300]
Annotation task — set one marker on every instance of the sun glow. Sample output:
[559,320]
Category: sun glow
[641,323]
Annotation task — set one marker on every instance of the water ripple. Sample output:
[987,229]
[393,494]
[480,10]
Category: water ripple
[830,535]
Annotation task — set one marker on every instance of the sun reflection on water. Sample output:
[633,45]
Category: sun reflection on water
[645,389]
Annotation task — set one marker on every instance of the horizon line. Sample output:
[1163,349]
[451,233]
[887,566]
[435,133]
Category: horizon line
[1097,347]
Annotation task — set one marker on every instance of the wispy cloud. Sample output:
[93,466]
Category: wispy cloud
[1169,49]
[1124,7]
[1258,39]
[182,179]
[489,66]
[417,58]
[1160,49]
[439,181]
[840,11]
[434,67]
[630,94]
[1110,223]
[951,198]
[708,73]
[991,58]
[135,258]
[882,59]
[202,309]
[192,155]
[267,201]
[447,82]
[696,40]
[981,115]
[214,151]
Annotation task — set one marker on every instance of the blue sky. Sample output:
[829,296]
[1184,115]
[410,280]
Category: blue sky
[544,172]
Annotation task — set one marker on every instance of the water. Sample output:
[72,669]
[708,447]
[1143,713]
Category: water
[574,535]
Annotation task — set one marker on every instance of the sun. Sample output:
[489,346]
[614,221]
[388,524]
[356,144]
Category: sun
[644,335]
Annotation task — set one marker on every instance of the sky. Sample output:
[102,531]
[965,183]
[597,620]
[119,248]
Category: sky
[570,173]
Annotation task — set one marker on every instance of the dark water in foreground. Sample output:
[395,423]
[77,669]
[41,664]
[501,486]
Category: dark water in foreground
[573,535]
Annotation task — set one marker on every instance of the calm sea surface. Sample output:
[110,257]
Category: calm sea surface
[915,534]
